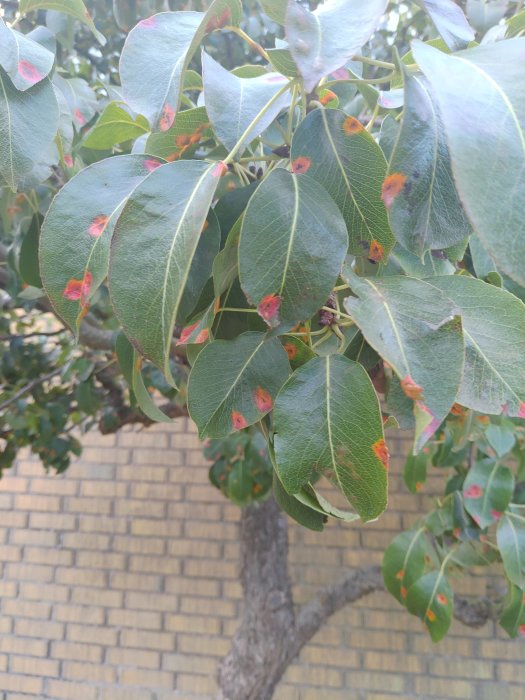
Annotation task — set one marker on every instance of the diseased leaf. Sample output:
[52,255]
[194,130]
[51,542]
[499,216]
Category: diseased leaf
[76,234]
[28,124]
[487,491]
[426,214]
[293,244]
[450,22]
[183,137]
[81,99]
[327,420]
[157,52]
[152,253]
[344,158]
[513,615]
[494,330]
[26,61]
[28,261]
[486,136]
[404,562]
[417,332]
[431,599]
[302,514]
[234,103]
[511,544]
[233,383]
[73,8]
[415,471]
[114,126]
[326,39]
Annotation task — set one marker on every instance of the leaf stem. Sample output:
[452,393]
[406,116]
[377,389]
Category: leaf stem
[251,43]
[254,121]
[368,81]
[374,62]
[241,311]
[371,123]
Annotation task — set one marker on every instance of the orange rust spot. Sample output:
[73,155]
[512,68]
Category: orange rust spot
[376,251]
[182,140]
[442,599]
[206,225]
[195,138]
[457,409]
[419,486]
[238,421]
[496,514]
[78,290]
[291,350]
[173,156]
[522,630]
[521,411]
[219,21]
[29,72]
[381,452]
[400,575]
[268,308]
[202,336]
[98,225]
[68,161]
[262,400]
[483,420]
[185,333]
[138,364]
[301,165]
[230,186]
[403,592]
[79,117]
[392,186]
[411,389]
[220,169]
[457,532]
[430,615]
[327,96]
[167,117]
[352,126]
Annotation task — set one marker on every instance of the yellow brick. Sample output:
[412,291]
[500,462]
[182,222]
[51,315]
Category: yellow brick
[26,608]
[207,606]
[141,473]
[151,456]
[190,663]
[55,486]
[59,521]
[137,545]
[92,634]
[21,684]
[194,624]
[143,439]
[151,601]
[77,652]
[204,494]
[375,681]
[135,618]
[10,553]
[161,641]
[130,657]
[23,646]
[383,661]
[135,582]
[53,557]
[317,676]
[92,506]
[186,441]
[94,596]
[328,656]
[192,586]
[96,439]
[207,646]
[461,668]
[75,540]
[196,684]
[100,455]
[443,688]
[189,511]
[32,502]
[103,489]
[156,528]
[85,614]
[82,577]
[502,649]
[42,629]
[140,509]
[64,690]
[104,472]
[91,673]
[512,673]
[37,538]
[14,519]
[146,679]
[100,560]
[158,565]
[217,569]
[156,492]
[8,589]
[14,484]
[368,639]
[114,693]
[29,666]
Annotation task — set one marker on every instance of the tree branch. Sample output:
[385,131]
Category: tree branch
[28,387]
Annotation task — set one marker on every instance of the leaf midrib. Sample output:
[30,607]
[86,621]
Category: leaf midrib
[9,129]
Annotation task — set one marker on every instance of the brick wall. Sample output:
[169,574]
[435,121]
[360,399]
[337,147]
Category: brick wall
[120,583]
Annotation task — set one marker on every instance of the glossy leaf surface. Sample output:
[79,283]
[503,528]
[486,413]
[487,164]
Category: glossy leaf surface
[73,8]
[487,491]
[114,126]
[431,599]
[404,562]
[450,22]
[511,543]
[25,61]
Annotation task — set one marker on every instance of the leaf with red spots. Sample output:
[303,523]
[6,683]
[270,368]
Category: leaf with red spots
[115,125]
[415,471]
[324,40]
[406,322]
[199,332]
[431,599]
[25,60]
[404,561]
[293,243]
[487,491]
[424,208]
[234,104]
[330,405]
[493,321]
[179,141]
[77,230]
[381,452]
[153,87]
[328,99]
[513,615]
[299,353]
[225,378]
[346,160]
[72,8]
[148,292]
[80,98]
[131,364]
[301,165]
[511,544]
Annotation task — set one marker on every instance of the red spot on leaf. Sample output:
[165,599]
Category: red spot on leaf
[148,22]
[403,592]
[202,336]
[430,615]
[220,169]
[29,72]
[97,226]
[151,164]
[457,532]
[327,96]
[182,140]
[381,452]
[291,350]
[473,491]
[392,186]
[376,251]
[79,117]
[238,421]
[457,409]
[442,599]
[262,400]
[400,575]
[78,290]
[268,308]
[496,514]
[352,126]
[483,420]
[301,165]
[68,161]
[411,389]
[433,424]
[219,21]
[521,411]
[522,630]
[339,74]
[419,486]
[167,117]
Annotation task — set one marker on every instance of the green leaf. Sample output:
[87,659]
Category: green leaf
[233,104]
[157,52]
[293,244]
[28,123]
[388,135]
[407,323]
[493,327]
[304,515]
[80,97]
[147,289]
[491,76]
[312,498]
[516,24]
[130,363]
[327,420]
[282,61]
[426,214]
[28,261]
[431,599]
[73,8]
[511,544]
[182,138]
[402,261]
[501,438]
[513,616]
[275,9]
[233,383]
[415,471]
[483,14]
[326,39]
[487,491]
[114,126]
[298,352]
[76,234]
[450,22]
[404,562]
[344,158]
[25,61]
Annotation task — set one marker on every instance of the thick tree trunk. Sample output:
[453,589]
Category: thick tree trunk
[261,646]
